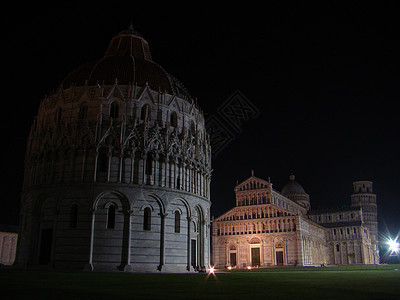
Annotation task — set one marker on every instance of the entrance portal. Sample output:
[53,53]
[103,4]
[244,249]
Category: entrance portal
[46,242]
[255,257]
[279,258]
[233,259]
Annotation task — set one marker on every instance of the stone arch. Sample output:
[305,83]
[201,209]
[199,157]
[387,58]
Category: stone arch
[110,245]
[186,204]
[109,203]
[255,240]
[124,200]
[146,205]
[159,202]
[198,215]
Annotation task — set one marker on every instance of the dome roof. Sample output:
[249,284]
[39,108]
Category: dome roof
[292,187]
[127,60]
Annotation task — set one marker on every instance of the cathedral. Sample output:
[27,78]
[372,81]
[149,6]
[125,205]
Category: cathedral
[271,228]
[117,170]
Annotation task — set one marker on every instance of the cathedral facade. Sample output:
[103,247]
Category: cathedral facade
[269,228]
[117,170]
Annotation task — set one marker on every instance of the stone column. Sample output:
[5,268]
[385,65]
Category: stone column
[128,266]
[95,165]
[175,175]
[183,176]
[188,242]
[132,166]
[109,164]
[142,179]
[162,240]
[156,169]
[165,179]
[121,166]
[202,230]
[84,153]
[89,266]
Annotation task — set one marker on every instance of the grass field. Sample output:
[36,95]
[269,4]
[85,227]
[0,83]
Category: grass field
[366,282]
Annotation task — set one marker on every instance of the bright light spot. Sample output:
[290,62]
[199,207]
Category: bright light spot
[394,246]
[229,268]
[211,271]
[249,268]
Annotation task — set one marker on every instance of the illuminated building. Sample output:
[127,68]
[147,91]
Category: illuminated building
[270,228]
[118,169]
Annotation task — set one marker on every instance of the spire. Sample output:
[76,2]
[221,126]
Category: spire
[291,176]
[252,172]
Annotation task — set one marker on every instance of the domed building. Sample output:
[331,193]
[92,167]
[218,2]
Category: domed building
[117,170]
[268,228]
[294,191]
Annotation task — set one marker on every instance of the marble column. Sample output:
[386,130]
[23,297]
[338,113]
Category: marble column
[162,241]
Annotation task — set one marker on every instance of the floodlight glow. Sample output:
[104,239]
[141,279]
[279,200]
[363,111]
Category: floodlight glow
[229,268]
[394,246]
[211,270]
[249,268]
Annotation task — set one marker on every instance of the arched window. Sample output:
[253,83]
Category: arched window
[147,219]
[149,164]
[145,112]
[102,161]
[82,111]
[111,217]
[174,119]
[177,222]
[73,221]
[114,109]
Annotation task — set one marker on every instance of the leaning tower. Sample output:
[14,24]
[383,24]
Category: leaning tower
[363,196]
[117,169]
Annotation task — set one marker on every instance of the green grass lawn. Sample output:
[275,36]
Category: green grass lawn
[366,282]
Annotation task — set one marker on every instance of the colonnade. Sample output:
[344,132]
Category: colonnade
[108,165]
[287,224]
[256,213]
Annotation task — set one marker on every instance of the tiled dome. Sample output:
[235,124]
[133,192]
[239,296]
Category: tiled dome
[292,187]
[127,60]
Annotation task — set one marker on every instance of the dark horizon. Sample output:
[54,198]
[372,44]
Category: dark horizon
[323,81]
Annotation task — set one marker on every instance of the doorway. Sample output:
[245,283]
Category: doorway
[279,258]
[255,257]
[232,259]
[46,242]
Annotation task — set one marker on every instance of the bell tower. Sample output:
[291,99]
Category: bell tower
[363,196]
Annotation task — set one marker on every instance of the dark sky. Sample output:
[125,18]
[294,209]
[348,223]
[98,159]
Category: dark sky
[324,80]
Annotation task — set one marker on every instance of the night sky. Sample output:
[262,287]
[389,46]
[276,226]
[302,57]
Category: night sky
[323,79]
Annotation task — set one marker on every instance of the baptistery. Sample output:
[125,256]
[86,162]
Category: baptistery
[117,170]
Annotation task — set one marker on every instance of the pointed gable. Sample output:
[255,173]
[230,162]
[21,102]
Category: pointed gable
[252,183]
